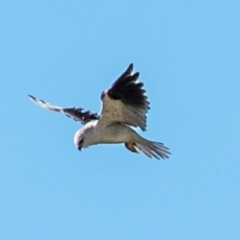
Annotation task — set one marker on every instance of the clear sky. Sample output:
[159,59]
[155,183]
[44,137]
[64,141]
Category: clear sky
[67,52]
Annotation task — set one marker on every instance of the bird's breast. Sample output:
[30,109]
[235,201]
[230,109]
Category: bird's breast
[115,133]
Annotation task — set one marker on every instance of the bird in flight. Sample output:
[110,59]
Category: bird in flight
[124,105]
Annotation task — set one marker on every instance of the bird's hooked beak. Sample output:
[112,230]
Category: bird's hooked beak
[80,145]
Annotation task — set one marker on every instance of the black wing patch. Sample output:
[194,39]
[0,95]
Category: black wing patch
[128,91]
[76,114]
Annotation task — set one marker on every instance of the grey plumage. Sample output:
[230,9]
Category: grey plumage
[124,106]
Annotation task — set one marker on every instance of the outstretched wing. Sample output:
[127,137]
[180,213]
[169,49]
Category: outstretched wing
[125,102]
[76,114]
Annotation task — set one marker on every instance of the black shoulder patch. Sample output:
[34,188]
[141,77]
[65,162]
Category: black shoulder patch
[79,115]
[128,91]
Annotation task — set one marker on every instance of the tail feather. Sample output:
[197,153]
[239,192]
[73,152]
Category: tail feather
[145,150]
[153,149]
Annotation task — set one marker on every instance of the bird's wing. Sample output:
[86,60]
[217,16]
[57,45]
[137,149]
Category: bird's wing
[125,102]
[76,114]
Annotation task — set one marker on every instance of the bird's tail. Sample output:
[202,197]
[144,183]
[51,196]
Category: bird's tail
[153,149]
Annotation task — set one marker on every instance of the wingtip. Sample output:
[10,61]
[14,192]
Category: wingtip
[130,68]
[31,97]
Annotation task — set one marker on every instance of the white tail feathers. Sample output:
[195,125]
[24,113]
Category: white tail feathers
[153,149]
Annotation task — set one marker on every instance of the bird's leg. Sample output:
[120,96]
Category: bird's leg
[131,146]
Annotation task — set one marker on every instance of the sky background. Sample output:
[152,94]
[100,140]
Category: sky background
[67,52]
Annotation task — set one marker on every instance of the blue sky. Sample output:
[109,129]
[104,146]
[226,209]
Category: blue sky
[67,52]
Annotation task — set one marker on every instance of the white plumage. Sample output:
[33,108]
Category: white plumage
[124,106]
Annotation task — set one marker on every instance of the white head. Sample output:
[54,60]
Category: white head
[84,137]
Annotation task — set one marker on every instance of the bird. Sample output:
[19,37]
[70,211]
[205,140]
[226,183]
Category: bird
[124,108]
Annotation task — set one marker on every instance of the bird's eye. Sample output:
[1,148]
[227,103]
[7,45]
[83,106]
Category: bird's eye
[81,142]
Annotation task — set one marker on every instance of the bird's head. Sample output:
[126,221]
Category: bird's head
[83,137]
